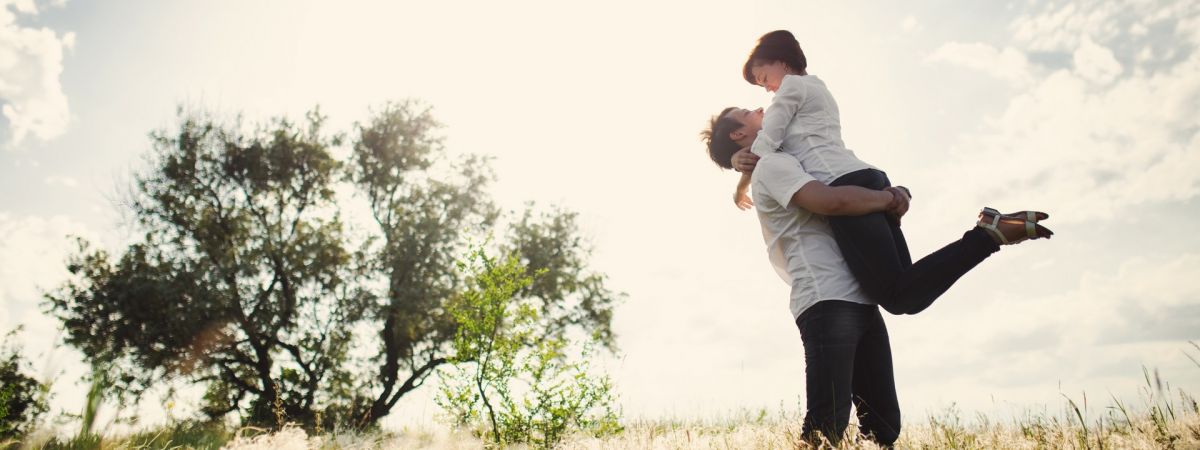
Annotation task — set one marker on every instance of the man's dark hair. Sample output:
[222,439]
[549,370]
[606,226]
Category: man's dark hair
[779,45]
[720,146]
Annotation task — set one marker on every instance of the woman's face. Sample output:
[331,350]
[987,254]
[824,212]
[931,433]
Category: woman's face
[769,75]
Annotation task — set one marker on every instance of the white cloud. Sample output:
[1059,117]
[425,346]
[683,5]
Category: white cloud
[60,180]
[18,6]
[31,94]
[1188,28]
[1007,64]
[33,258]
[1143,300]
[1145,55]
[1138,29]
[1091,138]
[1060,27]
[1102,123]
[26,162]
[1096,337]
[1096,63]
[68,40]
[910,24]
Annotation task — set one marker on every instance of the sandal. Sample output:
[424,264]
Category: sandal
[991,220]
[1032,216]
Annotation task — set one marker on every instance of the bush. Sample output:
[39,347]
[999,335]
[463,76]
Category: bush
[22,398]
[511,373]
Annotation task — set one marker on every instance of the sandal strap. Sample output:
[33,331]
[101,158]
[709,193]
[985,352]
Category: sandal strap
[991,228]
[995,233]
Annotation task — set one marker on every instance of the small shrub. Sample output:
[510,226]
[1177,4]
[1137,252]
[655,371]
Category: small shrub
[22,398]
[512,375]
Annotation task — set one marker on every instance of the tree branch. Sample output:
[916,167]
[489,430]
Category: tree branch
[414,381]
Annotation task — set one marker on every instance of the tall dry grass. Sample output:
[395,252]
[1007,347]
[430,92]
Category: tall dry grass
[1162,418]
[1158,424]
[1142,432]
[1153,426]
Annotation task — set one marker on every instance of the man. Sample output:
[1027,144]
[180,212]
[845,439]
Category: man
[847,353]
[846,350]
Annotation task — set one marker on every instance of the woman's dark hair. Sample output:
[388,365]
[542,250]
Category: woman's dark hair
[720,146]
[777,45]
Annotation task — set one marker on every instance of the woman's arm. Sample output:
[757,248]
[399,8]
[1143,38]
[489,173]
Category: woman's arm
[744,161]
[779,115]
[740,197]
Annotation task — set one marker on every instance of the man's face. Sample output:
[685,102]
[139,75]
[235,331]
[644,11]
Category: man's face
[751,121]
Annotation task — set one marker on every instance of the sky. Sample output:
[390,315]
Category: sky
[1089,110]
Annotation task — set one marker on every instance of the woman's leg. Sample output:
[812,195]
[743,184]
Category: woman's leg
[916,288]
[873,250]
[874,385]
[877,254]
[901,245]
[831,330]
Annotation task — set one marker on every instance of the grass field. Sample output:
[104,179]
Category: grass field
[1158,423]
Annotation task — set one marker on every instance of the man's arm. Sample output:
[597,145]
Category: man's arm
[784,180]
[826,200]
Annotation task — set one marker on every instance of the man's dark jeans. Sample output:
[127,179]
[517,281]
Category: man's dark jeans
[848,360]
[877,254]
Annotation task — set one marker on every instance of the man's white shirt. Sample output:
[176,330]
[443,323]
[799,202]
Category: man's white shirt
[800,244]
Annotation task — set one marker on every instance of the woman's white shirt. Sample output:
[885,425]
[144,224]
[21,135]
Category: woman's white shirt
[803,121]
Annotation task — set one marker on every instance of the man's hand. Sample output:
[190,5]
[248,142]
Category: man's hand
[744,161]
[899,206]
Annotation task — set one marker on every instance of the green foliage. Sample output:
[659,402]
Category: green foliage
[567,294]
[239,278]
[22,398]
[80,442]
[246,280]
[196,435]
[182,435]
[511,371]
[424,208]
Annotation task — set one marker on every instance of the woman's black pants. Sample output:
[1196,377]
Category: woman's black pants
[877,254]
